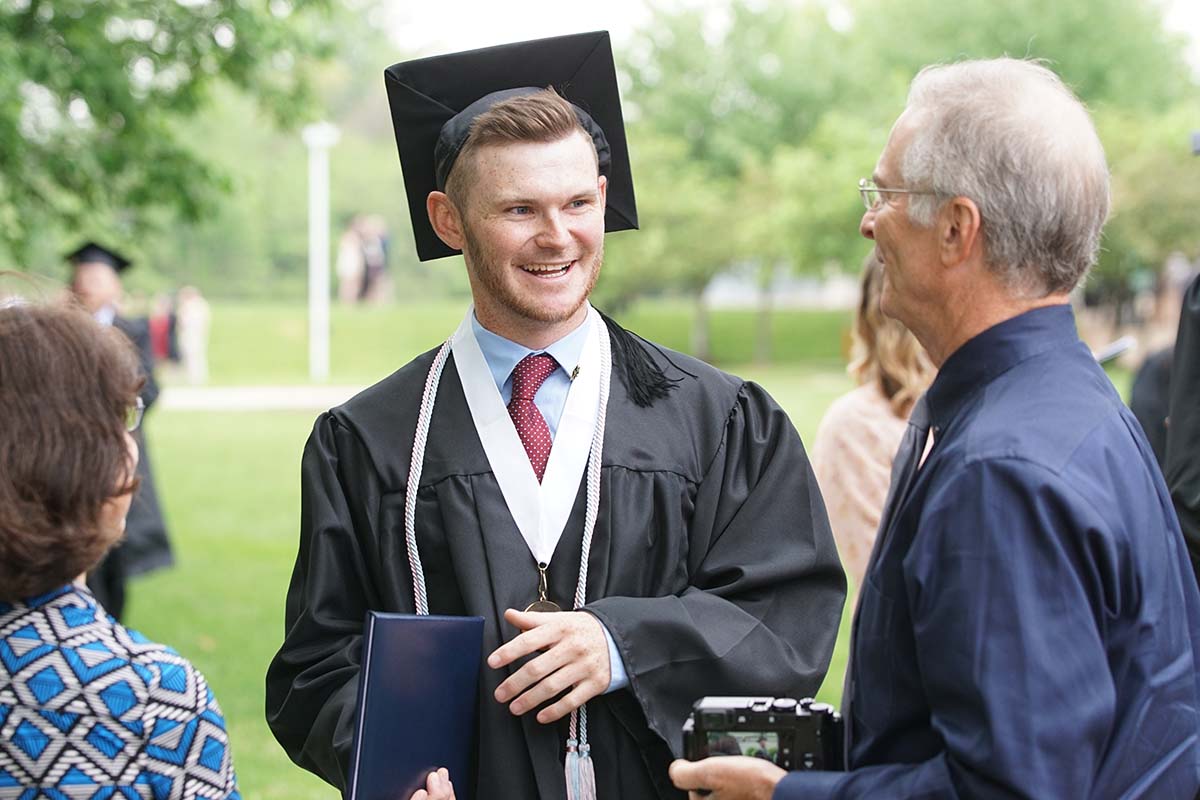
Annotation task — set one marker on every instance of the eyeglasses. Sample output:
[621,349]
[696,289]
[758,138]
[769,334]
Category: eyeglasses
[133,417]
[872,195]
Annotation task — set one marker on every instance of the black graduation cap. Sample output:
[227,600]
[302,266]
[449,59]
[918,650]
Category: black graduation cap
[91,252]
[433,101]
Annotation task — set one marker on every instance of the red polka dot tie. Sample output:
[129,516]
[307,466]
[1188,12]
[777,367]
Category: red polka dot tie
[527,378]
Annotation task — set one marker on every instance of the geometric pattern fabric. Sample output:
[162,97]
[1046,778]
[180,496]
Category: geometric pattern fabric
[90,710]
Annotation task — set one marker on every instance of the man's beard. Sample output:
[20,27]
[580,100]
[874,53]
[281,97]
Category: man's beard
[483,267]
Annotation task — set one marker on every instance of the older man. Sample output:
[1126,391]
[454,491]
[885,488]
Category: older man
[1028,625]
[555,439]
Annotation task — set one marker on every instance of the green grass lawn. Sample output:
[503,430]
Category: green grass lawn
[231,488]
[268,344]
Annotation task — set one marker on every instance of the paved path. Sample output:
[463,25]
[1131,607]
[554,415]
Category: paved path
[255,398]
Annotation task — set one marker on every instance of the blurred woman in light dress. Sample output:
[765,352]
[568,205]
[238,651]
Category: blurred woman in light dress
[860,433]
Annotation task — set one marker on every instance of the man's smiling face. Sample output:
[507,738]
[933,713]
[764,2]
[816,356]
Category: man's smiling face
[533,224]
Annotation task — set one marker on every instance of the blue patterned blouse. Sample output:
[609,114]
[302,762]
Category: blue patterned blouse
[90,709]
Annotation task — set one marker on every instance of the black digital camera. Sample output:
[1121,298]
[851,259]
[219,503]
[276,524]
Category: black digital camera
[794,734]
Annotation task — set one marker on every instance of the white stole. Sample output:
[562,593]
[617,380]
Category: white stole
[539,510]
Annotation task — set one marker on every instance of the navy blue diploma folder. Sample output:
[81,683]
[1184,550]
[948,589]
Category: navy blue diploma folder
[417,700]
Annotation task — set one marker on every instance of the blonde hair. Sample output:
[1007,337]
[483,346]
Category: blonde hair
[883,351]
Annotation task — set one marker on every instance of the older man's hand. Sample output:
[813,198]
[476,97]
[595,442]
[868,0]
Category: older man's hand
[574,656]
[727,777]
[437,787]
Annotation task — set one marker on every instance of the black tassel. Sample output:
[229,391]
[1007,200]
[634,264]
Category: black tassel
[643,378]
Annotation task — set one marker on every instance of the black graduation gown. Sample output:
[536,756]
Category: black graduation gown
[1150,397]
[145,546]
[712,566]
[1182,466]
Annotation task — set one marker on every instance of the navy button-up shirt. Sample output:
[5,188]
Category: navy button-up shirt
[1030,625]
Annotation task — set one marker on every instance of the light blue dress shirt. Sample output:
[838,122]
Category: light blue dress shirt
[502,356]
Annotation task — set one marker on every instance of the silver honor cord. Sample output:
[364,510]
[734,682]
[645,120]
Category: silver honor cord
[432,380]
[578,727]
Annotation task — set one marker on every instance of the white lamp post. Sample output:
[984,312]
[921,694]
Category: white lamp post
[318,137]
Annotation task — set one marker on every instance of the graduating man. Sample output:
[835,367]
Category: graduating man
[96,284]
[1028,625]
[551,439]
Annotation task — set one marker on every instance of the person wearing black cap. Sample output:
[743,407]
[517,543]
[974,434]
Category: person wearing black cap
[546,458]
[96,284]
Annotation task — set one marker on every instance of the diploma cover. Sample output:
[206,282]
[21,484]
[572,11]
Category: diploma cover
[417,703]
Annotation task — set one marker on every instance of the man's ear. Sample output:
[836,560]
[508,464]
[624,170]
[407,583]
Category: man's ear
[603,187]
[443,216]
[959,231]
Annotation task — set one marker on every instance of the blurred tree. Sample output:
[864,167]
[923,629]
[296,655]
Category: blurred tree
[1156,181]
[788,103]
[1111,52]
[92,96]
[733,90]
[689,232]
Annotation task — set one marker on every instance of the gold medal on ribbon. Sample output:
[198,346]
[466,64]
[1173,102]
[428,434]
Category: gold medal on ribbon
[543,603]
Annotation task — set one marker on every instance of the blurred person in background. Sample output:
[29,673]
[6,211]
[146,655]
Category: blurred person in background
[1150,396]
[858,436]
[89,708]
[351,267]
[377,284]
[162,322]
[194,322]
[1182,463]
[96,284]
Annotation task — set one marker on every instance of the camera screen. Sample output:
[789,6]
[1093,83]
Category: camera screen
[756,744]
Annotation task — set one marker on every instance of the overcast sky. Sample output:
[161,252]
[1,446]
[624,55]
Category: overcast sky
[429,28]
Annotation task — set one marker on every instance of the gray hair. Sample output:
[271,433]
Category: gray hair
[1009,135]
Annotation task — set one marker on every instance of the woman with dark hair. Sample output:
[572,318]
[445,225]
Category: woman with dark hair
[87,707]
[859,434]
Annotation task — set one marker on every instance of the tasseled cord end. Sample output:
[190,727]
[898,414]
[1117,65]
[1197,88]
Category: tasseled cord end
[581,773]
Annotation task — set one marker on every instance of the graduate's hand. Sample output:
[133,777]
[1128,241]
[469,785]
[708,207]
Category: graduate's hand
[437,787]
[574,655]
[728,777]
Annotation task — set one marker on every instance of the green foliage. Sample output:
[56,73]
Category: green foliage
[749,125]
[788,110]
[94,95]
[1155,182]
[1112,52]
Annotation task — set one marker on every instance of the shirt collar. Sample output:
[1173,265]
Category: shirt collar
[995,351]
[49,598]
[502,355]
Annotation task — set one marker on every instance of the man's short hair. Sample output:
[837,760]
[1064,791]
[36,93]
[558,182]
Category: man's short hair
[544,116]
[1010,135]
[66,383]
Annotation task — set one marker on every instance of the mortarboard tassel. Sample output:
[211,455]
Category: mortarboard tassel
[644,379]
